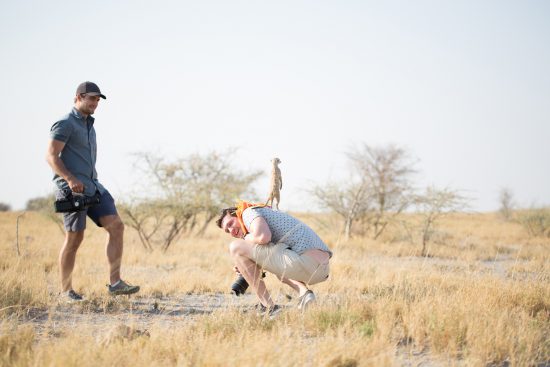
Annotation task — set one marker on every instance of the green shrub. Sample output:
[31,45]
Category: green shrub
[535,221]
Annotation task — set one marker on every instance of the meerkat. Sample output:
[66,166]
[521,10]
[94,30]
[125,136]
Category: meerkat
[276,183]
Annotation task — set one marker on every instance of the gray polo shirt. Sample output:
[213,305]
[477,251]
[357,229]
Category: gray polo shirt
[80,151]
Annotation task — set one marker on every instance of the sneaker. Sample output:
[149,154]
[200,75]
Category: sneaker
[73,296]
[122,288]
[274,311]
[305,300]
[260,309]
[271,312]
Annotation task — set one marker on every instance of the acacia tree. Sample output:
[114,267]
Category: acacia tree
[506,199]
[157,221]
[386,171]
[182,194]
[432,205]
[348,199]
[378,188]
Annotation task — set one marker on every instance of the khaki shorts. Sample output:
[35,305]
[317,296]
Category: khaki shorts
[280,260]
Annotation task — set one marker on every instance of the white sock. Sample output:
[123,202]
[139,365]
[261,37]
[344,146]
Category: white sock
[116,283]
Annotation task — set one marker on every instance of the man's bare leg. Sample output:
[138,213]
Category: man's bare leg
[67,257]
[114,246]
[240,251]
[299,287]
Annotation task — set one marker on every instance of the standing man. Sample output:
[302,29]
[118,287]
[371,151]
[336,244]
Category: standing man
[72,152]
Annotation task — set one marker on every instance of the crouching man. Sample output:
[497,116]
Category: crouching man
[278,243]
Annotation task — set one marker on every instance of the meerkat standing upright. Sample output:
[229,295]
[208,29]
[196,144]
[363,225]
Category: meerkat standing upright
[276,183]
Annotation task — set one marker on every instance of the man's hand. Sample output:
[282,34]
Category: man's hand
[75,185]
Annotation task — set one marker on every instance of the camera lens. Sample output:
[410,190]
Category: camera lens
[240,286]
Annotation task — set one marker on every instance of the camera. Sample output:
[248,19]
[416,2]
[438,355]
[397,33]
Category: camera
[75,203]
[241,285]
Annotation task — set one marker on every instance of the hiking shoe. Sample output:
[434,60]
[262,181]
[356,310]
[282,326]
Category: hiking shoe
[73,296]
[122,288]
[260,309]
[274,311]
[305,300]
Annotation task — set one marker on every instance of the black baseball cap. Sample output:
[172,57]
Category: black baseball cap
[89,88]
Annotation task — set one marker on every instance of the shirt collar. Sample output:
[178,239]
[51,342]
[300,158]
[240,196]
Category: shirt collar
[77,114]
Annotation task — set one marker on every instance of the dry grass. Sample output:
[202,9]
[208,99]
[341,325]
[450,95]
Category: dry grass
[481,298]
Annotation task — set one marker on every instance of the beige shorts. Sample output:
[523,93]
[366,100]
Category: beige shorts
[285,263]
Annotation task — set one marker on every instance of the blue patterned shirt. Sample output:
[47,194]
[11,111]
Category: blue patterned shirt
[80,151]
[286,229]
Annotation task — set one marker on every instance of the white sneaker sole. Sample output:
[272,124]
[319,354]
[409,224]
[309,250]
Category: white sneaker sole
[306,300]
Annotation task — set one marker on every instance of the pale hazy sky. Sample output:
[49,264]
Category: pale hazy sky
[463,85]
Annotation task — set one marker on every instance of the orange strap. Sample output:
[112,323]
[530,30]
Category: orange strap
[241,206]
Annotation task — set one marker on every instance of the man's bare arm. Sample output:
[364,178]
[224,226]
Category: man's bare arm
[52,157]
[259,232]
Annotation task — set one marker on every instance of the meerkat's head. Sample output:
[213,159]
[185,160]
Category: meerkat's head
[275,161]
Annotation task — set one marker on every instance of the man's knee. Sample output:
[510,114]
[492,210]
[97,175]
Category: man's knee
[73,239]
[118,225]
[234,248]
[239,248]
[114,226]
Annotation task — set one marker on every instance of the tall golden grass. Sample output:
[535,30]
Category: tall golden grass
[481,297]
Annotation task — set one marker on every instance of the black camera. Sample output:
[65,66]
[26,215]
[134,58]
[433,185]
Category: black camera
[75,203]
[241,285]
